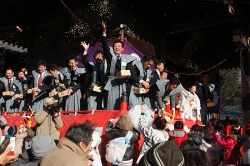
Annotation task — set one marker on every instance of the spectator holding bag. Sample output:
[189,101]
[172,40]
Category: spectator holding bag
[120,129]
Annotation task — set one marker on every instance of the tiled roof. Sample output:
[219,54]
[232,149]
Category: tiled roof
[232,111]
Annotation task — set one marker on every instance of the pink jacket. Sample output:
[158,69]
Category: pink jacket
[231,149]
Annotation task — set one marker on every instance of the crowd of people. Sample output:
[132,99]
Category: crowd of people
[200,145]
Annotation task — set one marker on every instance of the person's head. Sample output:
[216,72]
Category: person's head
[192,88]
[159,65]
[40,144]
[194,128]
[41,66]
[211,123]
[9,73]
[205,77]
[98,56]
[20,74]
[72,61]
[159,123]
[178,125]
[81,135]
[173,83]
[164,74]
[187,144]
[124,122]
[235,129]
[196,157]
[148,60]
[166,153]
[218,126]
[53,70]
[118,47]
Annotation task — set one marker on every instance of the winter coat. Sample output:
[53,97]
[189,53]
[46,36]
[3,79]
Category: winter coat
[196,137]
[116,133]
[66,153]
[231,147]
[48,124]
[178,136]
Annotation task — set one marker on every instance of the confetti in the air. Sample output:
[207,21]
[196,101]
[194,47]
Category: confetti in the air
[79,30]
[103,7]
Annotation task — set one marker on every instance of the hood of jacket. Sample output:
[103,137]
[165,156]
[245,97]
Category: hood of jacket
[196,137]
[161,134]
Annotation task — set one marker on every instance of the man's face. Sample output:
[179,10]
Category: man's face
[118,48]
[53,73]
[160,67]
[148,63]
[9,74]
[72,64]
[99,58]
[172,86]
[164,75]
[206,78]
[86,148]
[21,75]
[41,68]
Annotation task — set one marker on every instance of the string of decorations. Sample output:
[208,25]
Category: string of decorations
[199,73]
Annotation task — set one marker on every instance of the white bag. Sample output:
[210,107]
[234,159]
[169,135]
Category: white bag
[135,114]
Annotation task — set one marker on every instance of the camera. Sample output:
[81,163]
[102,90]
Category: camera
[53,108]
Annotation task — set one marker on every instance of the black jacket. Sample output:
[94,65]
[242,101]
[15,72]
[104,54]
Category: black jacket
[116,133]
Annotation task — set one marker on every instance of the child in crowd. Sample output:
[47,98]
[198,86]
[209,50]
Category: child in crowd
[216,152]
[120,129]
[153,134]
[231,145]
[178,134]
[196,134]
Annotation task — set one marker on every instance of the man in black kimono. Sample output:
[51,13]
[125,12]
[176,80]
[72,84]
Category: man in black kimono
[205,95]
[96,76]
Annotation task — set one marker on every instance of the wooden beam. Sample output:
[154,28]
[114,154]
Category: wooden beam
[202,23]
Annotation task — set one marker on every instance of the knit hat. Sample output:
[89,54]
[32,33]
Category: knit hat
[166,153]
[12,130]
[124,122]
[40,144]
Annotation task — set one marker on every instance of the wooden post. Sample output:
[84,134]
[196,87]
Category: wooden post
[245,55]
[122,34]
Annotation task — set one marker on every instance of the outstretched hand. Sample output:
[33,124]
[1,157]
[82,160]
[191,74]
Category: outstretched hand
[85,46]
[5,159]
[104,26]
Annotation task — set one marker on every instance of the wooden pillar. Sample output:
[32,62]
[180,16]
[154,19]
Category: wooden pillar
[245,78]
